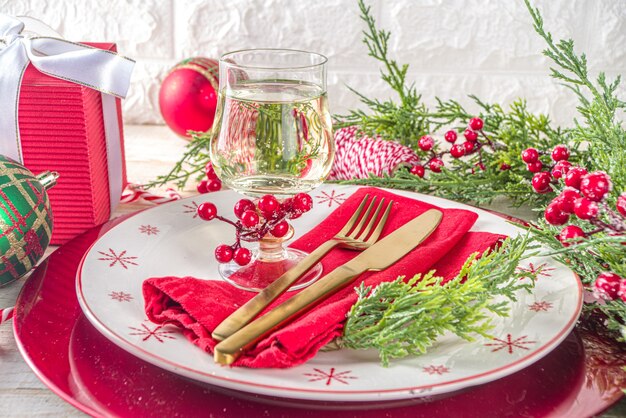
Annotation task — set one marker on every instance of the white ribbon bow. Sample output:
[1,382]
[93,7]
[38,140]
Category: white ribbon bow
[101,70]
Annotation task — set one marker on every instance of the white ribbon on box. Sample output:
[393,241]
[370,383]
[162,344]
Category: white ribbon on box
[105,71]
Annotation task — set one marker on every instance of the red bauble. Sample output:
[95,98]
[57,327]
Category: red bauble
[188,96]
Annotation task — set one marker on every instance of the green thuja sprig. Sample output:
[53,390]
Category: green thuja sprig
[402,318]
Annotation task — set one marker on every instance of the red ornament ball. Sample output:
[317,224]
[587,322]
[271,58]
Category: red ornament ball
[207,211]
[418,170]
[554,215]
[541,182]
[530,155]
[560,153]
[450,136]
[608,284]
[223,253]
[188,96]
[470,135]
[621,204]
[476,124]
[596,185]
[426,143]
[242,256]
[571,234]
[435,165]
[574,176]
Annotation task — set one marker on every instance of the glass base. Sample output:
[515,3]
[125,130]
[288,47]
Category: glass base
[257,275]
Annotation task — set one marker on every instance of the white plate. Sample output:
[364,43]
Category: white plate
[171,240]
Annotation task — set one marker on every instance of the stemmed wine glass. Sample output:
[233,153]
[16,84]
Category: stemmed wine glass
[273,135]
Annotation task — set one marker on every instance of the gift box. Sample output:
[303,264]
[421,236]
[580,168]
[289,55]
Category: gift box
[68,128]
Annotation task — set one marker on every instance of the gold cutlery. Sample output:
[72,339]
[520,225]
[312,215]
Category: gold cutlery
[377,257]
[353,237]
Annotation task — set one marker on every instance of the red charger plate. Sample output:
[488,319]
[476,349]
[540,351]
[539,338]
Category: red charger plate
[579,378]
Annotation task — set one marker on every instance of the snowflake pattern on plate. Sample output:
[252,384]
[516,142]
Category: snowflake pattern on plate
[432,369]
[331,376]
[330,198]
[122,259]
[510,344]
[540,270]
[193,208]
[148,230]
[157,332]
[542,306]
[121,296]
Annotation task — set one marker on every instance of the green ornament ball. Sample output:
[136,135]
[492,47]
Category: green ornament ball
[25,218]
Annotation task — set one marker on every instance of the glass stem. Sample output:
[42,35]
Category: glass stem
[271,248]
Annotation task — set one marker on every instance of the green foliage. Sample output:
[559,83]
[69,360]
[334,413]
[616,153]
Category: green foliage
[401,318]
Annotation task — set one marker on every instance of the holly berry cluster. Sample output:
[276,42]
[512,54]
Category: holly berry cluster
[255,220]
[583,195]
[475,140]
[212,183]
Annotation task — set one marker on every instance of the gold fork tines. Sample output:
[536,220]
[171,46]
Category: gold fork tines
[358,233]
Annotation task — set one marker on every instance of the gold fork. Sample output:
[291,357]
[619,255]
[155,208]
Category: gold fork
[358,237]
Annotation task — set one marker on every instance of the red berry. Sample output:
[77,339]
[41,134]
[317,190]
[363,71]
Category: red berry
[469,146]
[476,124]
[302,202]
[534,167]
[207,211]
[250,218]
[621,204]
[214,185]
[530,155]
[504,167]
[569,233]
[554,215]
[268,204]
[596,185]
[585,208]
[608,284]
[574,176]
[560,153]
[470,135]
[450,136]
[242,256]
[280,229]
[418,170]
[435,165]
[426,143]
[223,253]
[242,206]
[480,166]
[621,293]
[202,187]
[560,169]
[210,171]
[567,199]
[541,182]
[457,151]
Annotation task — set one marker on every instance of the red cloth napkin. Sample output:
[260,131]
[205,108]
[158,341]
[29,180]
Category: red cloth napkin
[198,306]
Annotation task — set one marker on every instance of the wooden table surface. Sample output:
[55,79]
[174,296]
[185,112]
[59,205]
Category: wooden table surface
[150,151]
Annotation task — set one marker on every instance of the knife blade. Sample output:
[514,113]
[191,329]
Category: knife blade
[378,257]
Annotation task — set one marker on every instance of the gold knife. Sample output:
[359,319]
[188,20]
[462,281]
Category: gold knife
[378,257]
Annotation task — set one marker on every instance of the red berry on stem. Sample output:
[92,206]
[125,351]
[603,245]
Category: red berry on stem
[207,211]
[554,215]
[621,293]
[242,206]
[214,185]
[268,204]
[585,208]
[426,143]
[541,182]
[530,155]
[574,176]
[242,256]
[596,185]
[457,151]
[302,202]
[418,170]
[223,253]
[560,153]
[250,219]
[560,169]
[608,284]
[570,235]
[534,167]
[621,204]
[470,135]
[435,165]
[450,136]
[469,146]
[210,171]
[202,187]
[567,199]
[476,124]
[280,229]
[504,167]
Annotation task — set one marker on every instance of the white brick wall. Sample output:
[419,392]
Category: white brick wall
[454,47]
